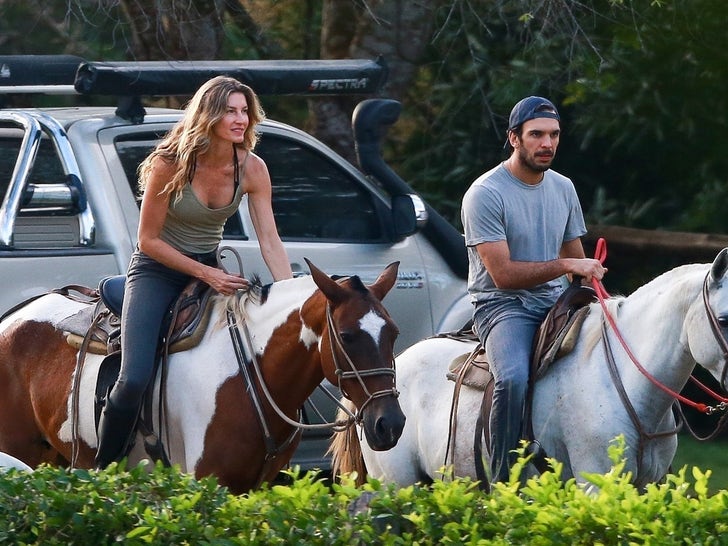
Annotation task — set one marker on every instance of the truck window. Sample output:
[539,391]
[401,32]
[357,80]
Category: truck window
[47,168]
[315,199]
[9,149]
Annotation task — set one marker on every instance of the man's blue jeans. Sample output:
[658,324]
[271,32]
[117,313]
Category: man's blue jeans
[506,331]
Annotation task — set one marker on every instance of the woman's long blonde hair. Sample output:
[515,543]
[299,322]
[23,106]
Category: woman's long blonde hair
[191,135]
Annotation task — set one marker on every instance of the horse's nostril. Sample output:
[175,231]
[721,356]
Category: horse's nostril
[380,426]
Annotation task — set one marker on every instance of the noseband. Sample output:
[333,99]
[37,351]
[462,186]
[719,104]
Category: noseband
[717,332]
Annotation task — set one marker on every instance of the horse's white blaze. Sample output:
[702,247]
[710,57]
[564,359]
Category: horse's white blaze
[372,324]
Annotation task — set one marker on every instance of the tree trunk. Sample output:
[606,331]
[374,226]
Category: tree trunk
[173,30]
[635,256]
[644,243]
[396,29]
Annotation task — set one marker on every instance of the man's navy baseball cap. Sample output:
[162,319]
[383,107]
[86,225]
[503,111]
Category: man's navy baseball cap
[531,108]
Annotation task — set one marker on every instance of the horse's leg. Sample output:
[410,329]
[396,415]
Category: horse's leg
[19,433]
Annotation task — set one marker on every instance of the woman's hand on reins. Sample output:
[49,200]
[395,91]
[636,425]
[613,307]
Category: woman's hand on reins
[225,283]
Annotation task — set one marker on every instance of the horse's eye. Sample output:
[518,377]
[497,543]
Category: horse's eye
[346,337]
[723,321]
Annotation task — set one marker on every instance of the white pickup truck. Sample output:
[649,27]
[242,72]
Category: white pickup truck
[68,185]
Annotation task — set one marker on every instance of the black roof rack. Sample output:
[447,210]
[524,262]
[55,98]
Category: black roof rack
[129,81]
[70,74]
[49,74]
[304,77]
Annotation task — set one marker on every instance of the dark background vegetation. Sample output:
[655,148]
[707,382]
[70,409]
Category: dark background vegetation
[640,85]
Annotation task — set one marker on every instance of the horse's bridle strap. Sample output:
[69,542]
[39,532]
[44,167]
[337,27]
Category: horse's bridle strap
[644,436]
[354,372]
[717,333]
[238,344]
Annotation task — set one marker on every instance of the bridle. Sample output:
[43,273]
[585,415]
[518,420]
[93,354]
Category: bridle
[645,436]
[722,405]
[719,337]
[335,342]
[247,361]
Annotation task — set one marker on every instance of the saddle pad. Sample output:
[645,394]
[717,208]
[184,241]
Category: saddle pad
[191,313]
[104,331]
[471,369]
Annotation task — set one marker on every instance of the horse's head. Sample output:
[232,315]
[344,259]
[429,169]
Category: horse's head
[357,351]
[708,333]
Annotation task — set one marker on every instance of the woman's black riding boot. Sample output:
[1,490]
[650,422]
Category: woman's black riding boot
[116,431]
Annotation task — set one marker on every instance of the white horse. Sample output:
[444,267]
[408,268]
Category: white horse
[577,409]
[8,461]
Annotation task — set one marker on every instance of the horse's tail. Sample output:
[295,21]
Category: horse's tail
[345,450]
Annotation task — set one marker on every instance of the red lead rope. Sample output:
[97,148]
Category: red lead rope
[601,255]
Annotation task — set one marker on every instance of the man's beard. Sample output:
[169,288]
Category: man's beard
[529,163]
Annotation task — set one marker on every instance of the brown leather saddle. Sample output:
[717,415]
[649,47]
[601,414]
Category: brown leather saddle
[96,329]
[556,337]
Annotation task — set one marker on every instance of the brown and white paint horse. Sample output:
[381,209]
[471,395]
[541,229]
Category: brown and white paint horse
[301,330]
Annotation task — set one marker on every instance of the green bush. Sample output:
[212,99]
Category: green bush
[163,506]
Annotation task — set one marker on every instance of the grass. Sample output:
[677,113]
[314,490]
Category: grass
[711,455]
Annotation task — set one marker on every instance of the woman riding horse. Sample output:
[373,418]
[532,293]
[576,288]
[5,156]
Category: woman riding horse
[191,183]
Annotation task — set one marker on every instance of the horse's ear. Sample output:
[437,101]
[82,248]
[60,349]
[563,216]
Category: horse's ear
[720,265]
[385,281]
[331,289]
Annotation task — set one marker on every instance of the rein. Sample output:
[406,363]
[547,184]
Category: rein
[602,295]
[245,356]
[246,359]
[244,353]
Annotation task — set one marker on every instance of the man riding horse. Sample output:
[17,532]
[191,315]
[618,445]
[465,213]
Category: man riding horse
[523,224]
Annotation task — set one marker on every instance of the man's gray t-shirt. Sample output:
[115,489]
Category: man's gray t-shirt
[535,220]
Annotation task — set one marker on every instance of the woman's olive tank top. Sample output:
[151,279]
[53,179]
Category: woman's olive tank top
[193,228]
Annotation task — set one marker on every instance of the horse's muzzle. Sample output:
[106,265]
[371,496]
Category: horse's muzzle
[383,423]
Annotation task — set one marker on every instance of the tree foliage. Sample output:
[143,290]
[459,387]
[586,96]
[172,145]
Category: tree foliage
[639,82]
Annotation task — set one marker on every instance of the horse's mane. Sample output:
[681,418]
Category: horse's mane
[345,449]
[355,282]
[594,333]
[681,281]
[256,293]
